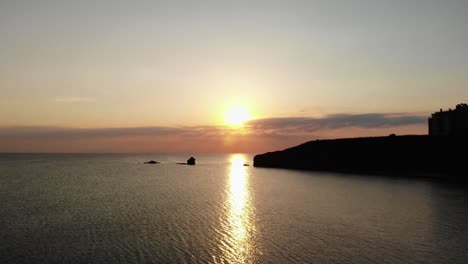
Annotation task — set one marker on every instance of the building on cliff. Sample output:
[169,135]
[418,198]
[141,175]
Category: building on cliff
[449,123]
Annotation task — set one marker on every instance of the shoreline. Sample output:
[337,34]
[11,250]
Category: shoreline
[393,156]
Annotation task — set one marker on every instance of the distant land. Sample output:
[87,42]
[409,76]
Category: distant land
[433,156]
[441,154]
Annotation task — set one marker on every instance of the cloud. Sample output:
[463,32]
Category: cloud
[74,99]
[257,135]
[44,132]
[300,125]
[259,127]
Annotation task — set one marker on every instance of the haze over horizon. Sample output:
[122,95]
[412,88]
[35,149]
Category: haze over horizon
[218,76]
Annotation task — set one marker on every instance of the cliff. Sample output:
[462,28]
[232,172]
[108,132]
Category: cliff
[408,155]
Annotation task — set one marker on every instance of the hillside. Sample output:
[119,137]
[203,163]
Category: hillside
[409,155]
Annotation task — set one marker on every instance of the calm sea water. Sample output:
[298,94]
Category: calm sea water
[114,209]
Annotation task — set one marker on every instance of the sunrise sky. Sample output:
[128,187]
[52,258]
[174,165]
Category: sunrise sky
[165,76]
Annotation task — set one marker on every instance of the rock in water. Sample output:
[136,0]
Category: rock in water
[191,161]
[151,162]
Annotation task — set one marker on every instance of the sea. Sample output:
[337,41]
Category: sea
[113,208]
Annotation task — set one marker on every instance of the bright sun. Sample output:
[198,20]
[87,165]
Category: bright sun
[236,116]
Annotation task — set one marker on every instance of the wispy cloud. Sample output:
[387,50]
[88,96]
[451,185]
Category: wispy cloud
[259,127]
[64,132]
[257,135]
[74,99]
[310,124]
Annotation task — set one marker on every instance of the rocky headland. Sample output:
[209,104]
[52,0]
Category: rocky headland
[436,156]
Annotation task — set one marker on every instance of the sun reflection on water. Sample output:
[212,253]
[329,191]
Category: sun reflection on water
[237,244]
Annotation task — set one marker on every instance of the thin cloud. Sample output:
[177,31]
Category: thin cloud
[300,125]
[269,127]
[71,133]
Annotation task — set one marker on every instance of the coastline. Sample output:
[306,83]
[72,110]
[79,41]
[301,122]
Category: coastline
[433,157]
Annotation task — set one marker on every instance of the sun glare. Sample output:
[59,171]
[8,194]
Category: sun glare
[236,116]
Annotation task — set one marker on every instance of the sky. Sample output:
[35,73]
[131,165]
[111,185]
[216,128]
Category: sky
[157,76]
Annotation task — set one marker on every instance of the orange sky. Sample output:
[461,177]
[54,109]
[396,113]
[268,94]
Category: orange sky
[157,76]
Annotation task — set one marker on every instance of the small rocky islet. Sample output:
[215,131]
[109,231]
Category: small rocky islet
[190,161]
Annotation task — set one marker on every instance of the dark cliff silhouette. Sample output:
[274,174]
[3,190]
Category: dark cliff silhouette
[444,153]
[408,155]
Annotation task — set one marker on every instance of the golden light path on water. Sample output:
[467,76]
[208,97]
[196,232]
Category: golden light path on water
[238,225]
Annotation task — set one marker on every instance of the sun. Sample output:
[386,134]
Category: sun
[236,116]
